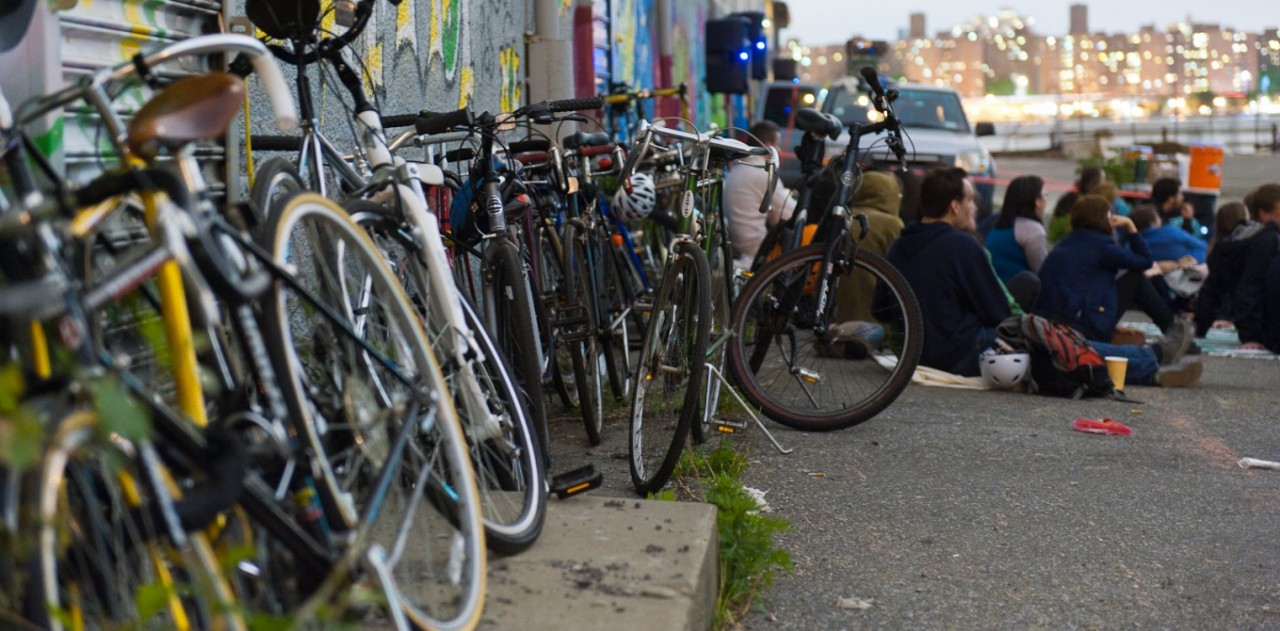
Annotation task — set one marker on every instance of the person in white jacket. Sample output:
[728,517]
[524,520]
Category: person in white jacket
[745,186]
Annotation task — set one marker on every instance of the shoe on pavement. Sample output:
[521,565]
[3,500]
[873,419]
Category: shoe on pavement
[1177,339]
[1184,373]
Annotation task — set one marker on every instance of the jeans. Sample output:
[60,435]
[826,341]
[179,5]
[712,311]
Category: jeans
[1142,361]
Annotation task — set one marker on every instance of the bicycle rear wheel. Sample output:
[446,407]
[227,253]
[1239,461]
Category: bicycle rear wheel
[667,392]
[578,331]
[782,360]
[369,400]
[504,450]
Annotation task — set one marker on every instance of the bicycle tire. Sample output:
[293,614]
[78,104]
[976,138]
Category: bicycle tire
[514,330]
[618,296]
[720,262]
[679,325]
[352,408]
[275,180]
[582,345]
[772,306]
[504,450]
[101,555]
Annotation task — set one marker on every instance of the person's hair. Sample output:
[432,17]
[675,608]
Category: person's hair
[1020,200]
[1090,178]
[940,187]
[1144,216]
[766,131]
[1107,190]
[1263,199]
[1063,207]
[1091,212]
[1163,190]
[1230,215]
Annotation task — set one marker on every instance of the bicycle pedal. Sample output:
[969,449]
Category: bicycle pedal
[577,481]
[809,376]
[728,426]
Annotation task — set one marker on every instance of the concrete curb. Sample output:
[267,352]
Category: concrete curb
[610,563]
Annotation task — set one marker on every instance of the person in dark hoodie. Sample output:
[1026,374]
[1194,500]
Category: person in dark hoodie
[960,297]
[1241,275]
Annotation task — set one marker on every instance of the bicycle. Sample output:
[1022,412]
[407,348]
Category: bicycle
[677,344]
[782,355]
[226,268]
[390,203]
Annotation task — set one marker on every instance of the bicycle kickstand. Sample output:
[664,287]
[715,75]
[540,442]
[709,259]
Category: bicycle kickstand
[376,557]
[730,427]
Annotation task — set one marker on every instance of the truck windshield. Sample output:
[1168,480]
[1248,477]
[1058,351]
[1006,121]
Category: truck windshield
[927,109]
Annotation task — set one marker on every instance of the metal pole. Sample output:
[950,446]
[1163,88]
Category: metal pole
[550,57]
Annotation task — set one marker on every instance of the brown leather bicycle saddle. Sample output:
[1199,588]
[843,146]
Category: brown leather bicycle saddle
[187,110]
[284,19]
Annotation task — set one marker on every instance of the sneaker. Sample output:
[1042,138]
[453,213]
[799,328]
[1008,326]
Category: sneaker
[1179,375]
[870,333]
[1177,339]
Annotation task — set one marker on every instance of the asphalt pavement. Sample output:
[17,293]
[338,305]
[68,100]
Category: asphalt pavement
[959,509]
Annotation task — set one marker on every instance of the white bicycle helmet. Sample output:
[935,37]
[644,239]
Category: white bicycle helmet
[1005,371]
[637,205]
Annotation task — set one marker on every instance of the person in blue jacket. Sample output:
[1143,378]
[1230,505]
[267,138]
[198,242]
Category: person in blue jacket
[1167,242]
[1079,284]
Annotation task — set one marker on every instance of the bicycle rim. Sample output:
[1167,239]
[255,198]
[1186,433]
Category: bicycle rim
[666,394]
[782,363]
[415,496]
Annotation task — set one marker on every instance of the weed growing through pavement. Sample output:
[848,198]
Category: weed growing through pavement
[749,559]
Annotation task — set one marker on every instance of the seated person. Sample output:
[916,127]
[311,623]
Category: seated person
[1079,277]
[1017,241]
[1239,265]
[744,187]
[960,296]
[878,198]
[1167,243]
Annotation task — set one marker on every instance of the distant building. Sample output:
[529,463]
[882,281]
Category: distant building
[1079,19]
[917,26]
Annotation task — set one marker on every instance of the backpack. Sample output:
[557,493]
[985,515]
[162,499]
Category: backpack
[1063,362]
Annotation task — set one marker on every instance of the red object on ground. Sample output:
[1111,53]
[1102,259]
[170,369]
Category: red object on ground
[1104,426]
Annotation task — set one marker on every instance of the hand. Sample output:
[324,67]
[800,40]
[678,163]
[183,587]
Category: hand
[1187,261]
[1251,346]
[1123,222]
[1167,266]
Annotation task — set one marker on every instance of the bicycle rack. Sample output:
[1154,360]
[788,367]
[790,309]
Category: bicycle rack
[729,427]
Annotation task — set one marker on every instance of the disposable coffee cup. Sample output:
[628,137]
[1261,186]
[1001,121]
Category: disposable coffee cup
[1116,368]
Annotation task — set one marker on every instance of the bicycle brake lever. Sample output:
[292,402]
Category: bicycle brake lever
[864,226]
[771,168]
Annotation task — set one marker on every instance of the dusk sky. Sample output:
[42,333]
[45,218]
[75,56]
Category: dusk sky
[816,22]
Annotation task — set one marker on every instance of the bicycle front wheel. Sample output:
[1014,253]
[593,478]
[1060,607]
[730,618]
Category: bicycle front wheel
[784,361]
[104,555]
[370,402]
[668,387]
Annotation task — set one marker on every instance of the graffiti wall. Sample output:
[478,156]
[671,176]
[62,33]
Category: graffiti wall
[428,54]
[636,54]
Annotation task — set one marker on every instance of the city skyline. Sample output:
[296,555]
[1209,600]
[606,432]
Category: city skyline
[819,22]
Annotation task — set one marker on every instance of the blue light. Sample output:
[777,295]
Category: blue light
[744,55]
[759,45]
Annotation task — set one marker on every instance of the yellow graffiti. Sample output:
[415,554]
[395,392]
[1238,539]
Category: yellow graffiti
[402,15]
[509,67]
[433,27]
[465,79]
[133,15]
[564,5]
[131,46]
[373,60]
[328,17]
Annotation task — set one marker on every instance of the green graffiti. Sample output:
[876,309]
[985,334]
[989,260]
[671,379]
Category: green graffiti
[50,142]
[452,34]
